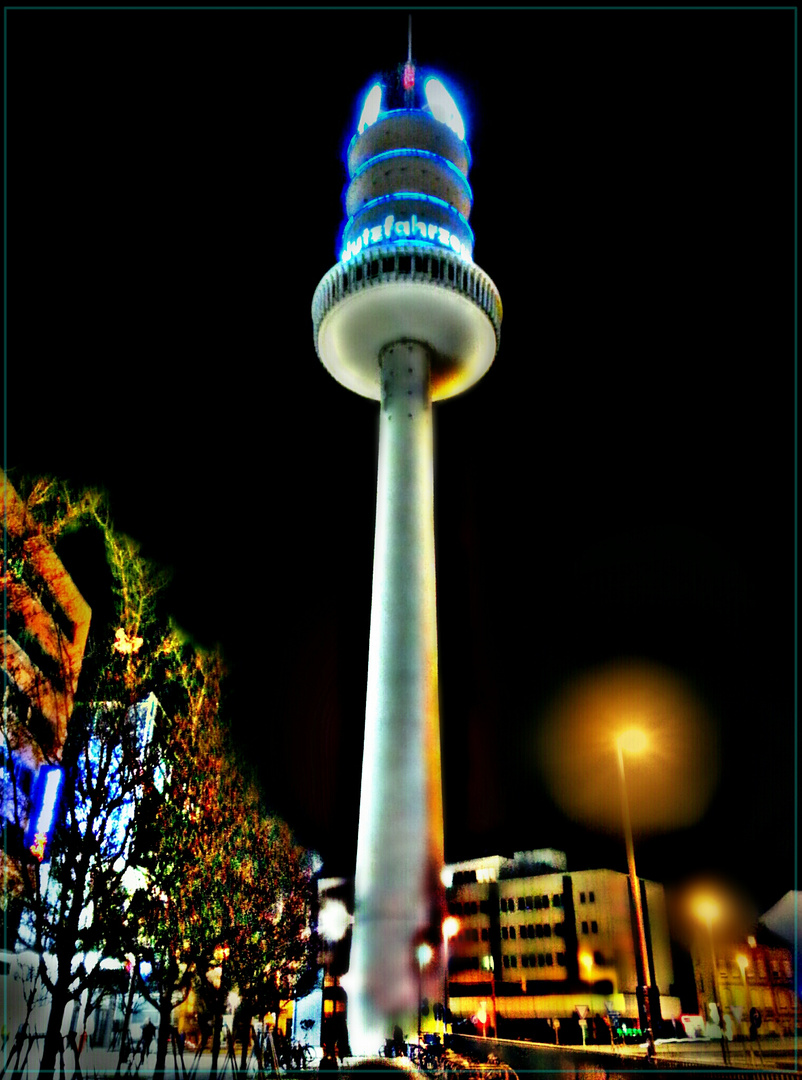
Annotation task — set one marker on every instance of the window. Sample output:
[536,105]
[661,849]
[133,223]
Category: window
[549,960]
[539,930]
[546,931]
[584,927]
[525,961]
[512,933]
[530,931]
[545,900]
[513,961]
[559,929]
[506,960]
[521,904]
[561,959]
[582,898]
[474,908]
[475,934]
[505,932]
[537,903]
[591,898]
[484,907]
[485,934]
[557,900]
[594,928]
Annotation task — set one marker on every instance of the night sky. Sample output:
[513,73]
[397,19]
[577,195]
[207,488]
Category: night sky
[618,489]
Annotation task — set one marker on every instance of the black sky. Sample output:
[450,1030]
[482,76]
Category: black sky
[620,485]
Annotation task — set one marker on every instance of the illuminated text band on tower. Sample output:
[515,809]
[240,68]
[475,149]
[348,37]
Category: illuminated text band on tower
[409,229]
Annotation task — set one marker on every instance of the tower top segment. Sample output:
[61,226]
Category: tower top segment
[406,269]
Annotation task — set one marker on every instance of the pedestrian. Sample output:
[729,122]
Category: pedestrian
[148,1031]
[329,1060]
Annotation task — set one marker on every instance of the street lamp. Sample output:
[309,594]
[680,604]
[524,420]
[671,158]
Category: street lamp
[743,963]
[707,909]
[634,741]
[450,930]
[425,953]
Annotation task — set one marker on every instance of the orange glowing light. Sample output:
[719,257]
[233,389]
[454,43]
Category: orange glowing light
[450,927]
[633,740]
[586,960]
[707,909]
[634,708]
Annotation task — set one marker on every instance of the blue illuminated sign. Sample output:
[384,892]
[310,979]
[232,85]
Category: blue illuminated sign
[411,228]
[44,807]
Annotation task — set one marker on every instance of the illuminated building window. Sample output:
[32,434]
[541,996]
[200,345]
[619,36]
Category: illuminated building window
[584,927]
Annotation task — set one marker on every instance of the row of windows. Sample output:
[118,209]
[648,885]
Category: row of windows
[530,960]
[529,903]
[530,931]
[594,927]
[591,899]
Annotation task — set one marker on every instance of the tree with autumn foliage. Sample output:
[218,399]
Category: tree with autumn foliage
[228,890]
[162,849]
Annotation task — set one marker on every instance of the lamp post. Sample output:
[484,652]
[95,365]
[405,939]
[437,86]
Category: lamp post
[707,910]
[450,930]
[425,953]
[634,741]
[743,963]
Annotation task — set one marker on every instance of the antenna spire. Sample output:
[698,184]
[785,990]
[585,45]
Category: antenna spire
[409,41]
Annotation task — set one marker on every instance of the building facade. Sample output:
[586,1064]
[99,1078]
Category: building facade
[754,974]
[539,948]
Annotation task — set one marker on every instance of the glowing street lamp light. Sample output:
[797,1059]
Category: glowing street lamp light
[707,909]
[425,954]
[634,741]
[450,930]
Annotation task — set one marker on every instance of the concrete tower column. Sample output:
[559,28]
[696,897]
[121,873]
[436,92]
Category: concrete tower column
[405,318]
[398,892]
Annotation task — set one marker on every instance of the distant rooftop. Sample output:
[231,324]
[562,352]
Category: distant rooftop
[498,867]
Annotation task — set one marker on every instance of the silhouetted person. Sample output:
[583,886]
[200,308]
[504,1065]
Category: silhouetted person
[328,1061]
[148,1031]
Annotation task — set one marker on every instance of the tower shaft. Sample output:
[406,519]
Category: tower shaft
[398,892]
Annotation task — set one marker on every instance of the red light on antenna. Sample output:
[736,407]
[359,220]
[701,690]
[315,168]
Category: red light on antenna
[409,76]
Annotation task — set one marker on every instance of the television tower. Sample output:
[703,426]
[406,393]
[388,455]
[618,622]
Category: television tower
[406,318]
